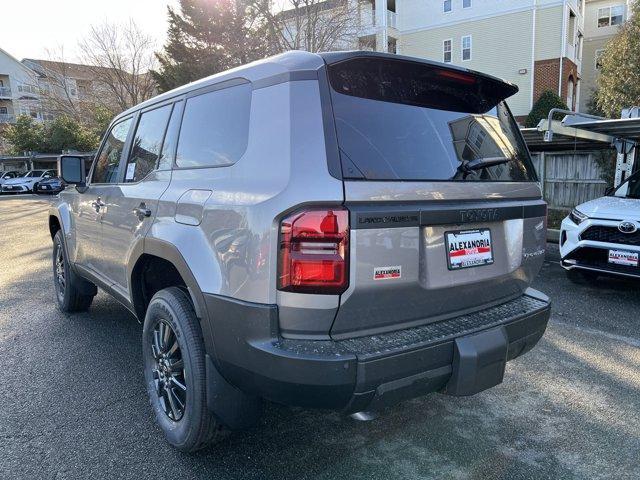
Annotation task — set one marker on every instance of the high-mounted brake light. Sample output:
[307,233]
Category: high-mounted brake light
[313,253]
[457,76]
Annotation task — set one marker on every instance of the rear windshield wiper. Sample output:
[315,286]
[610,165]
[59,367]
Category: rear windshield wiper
[480,163]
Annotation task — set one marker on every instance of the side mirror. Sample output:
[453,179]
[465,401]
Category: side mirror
[72,171]
[609,191]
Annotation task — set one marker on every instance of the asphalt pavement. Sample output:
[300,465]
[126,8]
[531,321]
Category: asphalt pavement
[73,403]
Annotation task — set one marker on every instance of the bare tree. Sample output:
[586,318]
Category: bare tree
[312,25]
[119,58]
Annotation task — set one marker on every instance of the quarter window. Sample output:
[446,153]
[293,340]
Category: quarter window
[147,142]
[446,51]
[466,48]
[215,128]
[108,161]
[446,6]
[610,16]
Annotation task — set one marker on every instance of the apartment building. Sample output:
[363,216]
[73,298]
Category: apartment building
[603,19]
[537,44]
[19,93]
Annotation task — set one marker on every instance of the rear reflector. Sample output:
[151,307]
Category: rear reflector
[314,251]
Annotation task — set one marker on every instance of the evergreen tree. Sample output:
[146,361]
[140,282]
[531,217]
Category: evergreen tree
[63,133]
[207,37]
[619,81]
[542,107]
[24,136]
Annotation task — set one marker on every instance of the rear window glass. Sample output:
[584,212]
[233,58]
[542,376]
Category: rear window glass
[400,120]
[215,128]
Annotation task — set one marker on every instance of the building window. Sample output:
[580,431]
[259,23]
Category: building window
[3,111]
[27,89]
[447,6]
[466,3]
[446,51]
[610,16]
[466,48]
[598,58]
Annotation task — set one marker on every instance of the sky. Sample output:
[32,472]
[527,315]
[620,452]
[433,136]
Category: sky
[31,27]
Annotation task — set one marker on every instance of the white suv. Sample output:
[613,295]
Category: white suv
[603,236]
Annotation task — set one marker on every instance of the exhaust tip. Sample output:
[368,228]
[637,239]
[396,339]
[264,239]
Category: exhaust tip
[364,416]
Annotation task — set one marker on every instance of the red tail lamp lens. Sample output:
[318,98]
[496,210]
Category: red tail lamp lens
[314,251]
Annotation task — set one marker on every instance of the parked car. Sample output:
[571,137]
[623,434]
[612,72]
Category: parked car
[51,186]
[4,176]
[26,182]
[343,230]
[602,236]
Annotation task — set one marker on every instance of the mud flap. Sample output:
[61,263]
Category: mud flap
[478,362]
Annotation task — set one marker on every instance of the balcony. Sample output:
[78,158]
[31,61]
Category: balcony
[392,19]
[5,92]
[7,118]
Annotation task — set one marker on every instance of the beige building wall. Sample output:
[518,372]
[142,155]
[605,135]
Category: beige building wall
[549,33]
[595,39]
[500,46]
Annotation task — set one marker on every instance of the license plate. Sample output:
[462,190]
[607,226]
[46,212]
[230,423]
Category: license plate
[622,257]
[468,248]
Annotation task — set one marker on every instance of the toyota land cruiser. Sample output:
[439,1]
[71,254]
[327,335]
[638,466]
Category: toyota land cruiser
[344,230]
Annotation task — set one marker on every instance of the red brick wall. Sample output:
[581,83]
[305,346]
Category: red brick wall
[547,73]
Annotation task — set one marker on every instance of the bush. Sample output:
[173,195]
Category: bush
[63,133]
[543,106]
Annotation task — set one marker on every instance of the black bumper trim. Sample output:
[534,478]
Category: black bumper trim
[358,373]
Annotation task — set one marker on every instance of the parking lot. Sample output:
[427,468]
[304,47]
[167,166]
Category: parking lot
[73,403]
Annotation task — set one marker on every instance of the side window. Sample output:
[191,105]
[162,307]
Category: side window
[108,160]
[147,142]
[215,128]
[171,138]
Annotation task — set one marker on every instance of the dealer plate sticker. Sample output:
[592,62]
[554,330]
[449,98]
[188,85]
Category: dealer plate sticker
[621,257]
[387,273]
[469,248]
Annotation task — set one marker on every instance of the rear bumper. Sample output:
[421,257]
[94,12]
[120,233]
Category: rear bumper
[360,373]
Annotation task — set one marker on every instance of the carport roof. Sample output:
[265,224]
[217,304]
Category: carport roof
[582,134]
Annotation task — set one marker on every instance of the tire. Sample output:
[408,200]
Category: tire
[179,402]
[73,293]
[34,188]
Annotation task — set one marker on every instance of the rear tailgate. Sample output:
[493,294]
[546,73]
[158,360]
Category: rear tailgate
[446,214]
[401,274]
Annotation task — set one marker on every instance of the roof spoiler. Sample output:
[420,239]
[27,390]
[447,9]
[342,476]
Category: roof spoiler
[412,81]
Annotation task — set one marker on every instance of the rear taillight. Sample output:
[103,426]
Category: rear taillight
[313,253]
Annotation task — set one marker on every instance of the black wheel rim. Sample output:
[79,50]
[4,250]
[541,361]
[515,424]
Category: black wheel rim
[168,371]
[61,280]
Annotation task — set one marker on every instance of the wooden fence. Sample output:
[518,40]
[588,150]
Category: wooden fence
[569,179]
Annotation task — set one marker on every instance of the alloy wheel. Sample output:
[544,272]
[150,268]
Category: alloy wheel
[61,281]
[168,371]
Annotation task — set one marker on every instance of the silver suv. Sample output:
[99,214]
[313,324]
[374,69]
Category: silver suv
[344,231]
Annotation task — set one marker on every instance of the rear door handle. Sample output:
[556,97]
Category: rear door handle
[141,211]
